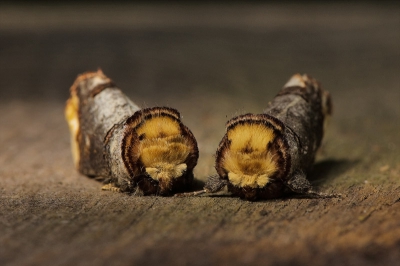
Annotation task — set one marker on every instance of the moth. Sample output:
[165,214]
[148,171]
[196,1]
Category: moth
[146,151]
[267,155]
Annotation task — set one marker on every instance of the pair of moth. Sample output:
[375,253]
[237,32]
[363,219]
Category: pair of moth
[151,152]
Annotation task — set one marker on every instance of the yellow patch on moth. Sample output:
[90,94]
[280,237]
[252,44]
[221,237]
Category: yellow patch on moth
[253,181]
[163,150]
[172,150]
[296,80]
[71,114]
[248,162]
[250,136]
[159,126]
[166,171]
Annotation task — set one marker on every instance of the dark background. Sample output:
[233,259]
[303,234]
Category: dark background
[211,62]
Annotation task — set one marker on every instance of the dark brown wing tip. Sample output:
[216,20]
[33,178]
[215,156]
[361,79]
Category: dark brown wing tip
[161,111]
[254,118]
[145,113]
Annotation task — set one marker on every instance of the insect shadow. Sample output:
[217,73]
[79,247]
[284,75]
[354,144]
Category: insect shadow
[197,184]
[329,169]
[323,171]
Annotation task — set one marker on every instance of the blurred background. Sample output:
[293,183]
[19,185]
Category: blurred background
[211,61]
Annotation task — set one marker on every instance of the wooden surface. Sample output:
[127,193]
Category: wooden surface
[211,63]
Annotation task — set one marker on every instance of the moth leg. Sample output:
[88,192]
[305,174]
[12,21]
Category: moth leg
[298,183]
[191,194]
[215,184]
[111,187]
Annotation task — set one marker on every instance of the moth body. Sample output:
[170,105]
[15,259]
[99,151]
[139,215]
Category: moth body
[158,152]
[264,156]
[147,150]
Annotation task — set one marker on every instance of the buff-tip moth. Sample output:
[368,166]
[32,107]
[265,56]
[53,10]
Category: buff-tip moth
[146,151]
[269,155]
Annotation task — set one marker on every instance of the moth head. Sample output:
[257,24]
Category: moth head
[163,148]
[252,152]
[165,172]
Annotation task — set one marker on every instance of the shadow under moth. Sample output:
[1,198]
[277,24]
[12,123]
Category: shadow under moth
[264,156]
[145,151]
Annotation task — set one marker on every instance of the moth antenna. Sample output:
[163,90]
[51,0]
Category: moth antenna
[318,195]
[190,194]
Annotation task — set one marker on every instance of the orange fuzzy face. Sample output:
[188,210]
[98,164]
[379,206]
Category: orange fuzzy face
[163,149]
[252,153]
[248,161]
[158,146]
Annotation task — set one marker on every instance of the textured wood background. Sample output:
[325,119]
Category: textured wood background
[211,63]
